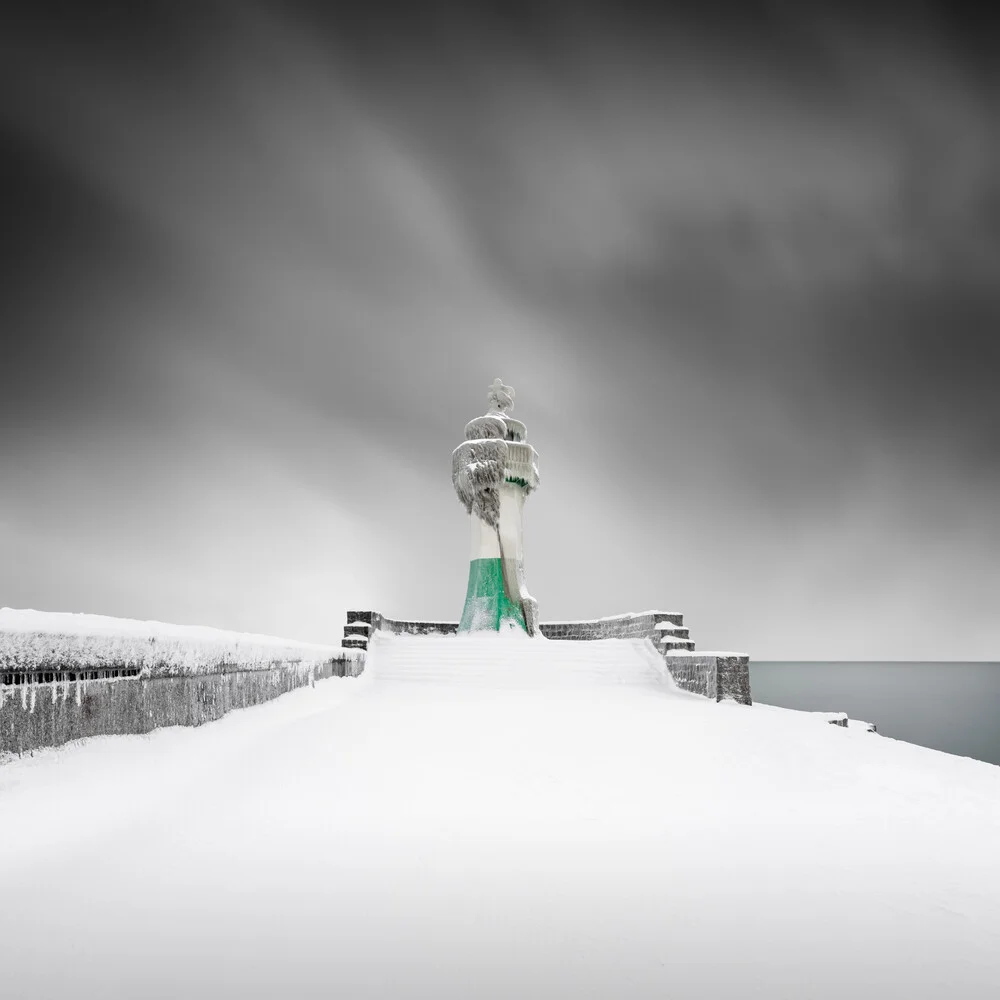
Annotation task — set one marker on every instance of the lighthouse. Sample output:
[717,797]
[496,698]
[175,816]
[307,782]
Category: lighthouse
[494,470]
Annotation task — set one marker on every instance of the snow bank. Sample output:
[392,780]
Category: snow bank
[45,641]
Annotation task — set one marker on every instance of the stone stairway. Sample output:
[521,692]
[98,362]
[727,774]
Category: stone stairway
[673,637]
[715,675]
[499,660]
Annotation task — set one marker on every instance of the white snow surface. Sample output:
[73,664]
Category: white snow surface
[494,817]
[33,639]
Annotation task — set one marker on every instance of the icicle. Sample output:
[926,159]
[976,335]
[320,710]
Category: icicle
[34,695]
[24,695]
[54,686]
[78,685]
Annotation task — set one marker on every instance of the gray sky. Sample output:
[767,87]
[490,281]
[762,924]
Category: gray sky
[260,266]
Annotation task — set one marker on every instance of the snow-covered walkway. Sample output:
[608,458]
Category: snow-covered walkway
[531,826]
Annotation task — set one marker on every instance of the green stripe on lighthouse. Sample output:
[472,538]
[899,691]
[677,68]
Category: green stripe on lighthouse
[487,606]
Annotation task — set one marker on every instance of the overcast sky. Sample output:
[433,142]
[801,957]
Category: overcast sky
[260,265]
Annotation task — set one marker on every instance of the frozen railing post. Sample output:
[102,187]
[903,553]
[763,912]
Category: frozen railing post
[493,471]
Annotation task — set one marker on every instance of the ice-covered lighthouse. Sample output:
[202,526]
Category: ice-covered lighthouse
[493,470]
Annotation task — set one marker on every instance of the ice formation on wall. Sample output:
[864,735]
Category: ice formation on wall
[477,472]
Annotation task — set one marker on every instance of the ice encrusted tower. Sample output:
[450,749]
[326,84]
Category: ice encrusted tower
[493,470]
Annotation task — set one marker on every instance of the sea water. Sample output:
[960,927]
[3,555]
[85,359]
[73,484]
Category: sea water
[953,707]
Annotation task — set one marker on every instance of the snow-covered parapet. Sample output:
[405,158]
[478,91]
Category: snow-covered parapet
[38,641]
[665,628]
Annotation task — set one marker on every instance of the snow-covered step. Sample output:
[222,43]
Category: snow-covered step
[672,643]
[514,660]
[676,631]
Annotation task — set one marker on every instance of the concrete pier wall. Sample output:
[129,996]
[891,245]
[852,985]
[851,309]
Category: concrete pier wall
[52,706]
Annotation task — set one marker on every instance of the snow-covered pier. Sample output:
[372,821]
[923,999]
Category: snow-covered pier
[493,816]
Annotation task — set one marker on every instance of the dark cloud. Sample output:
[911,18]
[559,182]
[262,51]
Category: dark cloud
[741,266]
